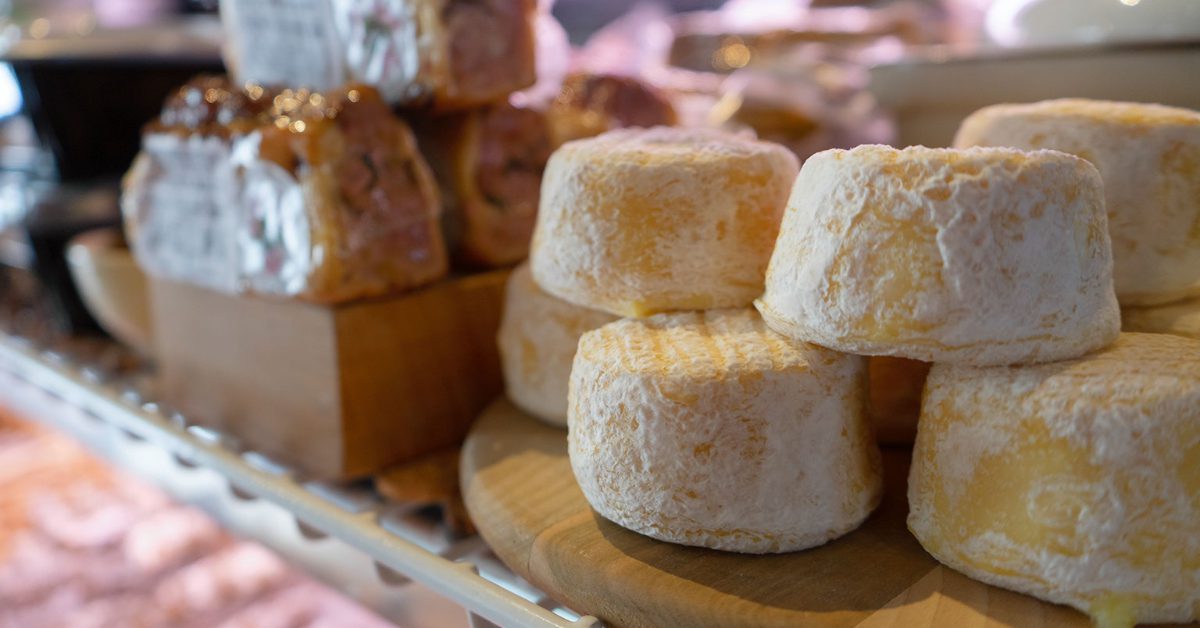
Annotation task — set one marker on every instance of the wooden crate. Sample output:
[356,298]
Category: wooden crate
[338,391]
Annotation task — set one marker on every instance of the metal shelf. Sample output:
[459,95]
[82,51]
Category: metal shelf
[343,534]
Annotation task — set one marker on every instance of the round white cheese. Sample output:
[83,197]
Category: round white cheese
[707,429]
[1149,158]
[537,339]
[639,221]
[1077,482]
[981,256]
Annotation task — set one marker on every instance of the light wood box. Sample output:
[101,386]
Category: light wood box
[338,391]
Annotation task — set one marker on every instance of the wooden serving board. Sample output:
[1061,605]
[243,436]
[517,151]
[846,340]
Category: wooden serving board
[522,495]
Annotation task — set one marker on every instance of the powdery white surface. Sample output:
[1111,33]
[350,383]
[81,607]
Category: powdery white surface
[1181,319]
[1149,158]
[1076,482]
[706,429]
[981,256]
[639,221]
[537,339]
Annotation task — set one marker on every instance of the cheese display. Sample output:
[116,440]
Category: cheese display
[488,163]
[315,195]
[1149,158]
[982,256]
[895,393]
[639,221]
[537,339]
[1181,319]
[448,54]
[589,104]
[707,429]
[1077,482]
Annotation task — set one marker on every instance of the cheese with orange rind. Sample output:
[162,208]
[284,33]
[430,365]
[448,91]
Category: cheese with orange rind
[1149,158]
[1077,482]
[537,340]
[640,221]
[981,256]
[707,429]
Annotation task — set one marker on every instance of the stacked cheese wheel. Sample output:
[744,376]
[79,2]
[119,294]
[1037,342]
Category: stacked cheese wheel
[1054,455]
[690,421]
[1075,480]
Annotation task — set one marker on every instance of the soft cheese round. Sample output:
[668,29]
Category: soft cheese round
[1181,319]
[981,256]
[639,221]
[707,429]
[1077,482]
[537,339]
[1149,158]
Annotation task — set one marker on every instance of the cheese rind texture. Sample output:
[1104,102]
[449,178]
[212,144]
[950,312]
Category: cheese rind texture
[640,221]
[1181,319]
[538,336]
[1149,158]
[1077,482]
[982,256]
[706,429]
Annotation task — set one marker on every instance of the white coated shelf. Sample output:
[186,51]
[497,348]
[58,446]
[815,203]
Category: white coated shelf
[392,557]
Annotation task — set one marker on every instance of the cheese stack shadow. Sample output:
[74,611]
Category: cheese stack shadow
[1054,455]
[689,421]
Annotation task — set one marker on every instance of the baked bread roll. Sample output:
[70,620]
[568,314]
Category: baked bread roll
[1149,158]
[589,104]
[488,163]
[639,221]
[538,336]
[1181,319]
[706,429]
[895,397]
[981,256]
[320,196]
[1076,482]
[445,54]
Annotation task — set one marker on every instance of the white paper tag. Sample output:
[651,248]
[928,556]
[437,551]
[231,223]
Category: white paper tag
[293,43]
[274,232]
[179,201]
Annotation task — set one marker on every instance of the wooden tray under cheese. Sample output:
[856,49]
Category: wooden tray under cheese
[522,495]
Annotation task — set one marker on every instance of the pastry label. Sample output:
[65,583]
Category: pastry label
[178,202]
[284,42]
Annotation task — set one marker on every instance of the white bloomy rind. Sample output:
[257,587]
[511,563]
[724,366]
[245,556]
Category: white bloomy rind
[1077,482]
[537,339]
[981,256]
[639,221]
[706,429]
[1149,158]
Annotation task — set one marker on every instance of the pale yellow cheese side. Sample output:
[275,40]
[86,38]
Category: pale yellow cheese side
[1181,319]
[707,429]
[1149,158]
[537,339]
[1077,482]
[640,221]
